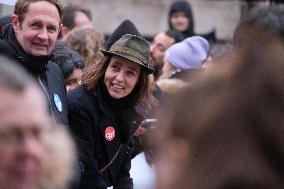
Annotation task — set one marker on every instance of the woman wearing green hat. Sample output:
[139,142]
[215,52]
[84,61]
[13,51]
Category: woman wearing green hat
[102,114]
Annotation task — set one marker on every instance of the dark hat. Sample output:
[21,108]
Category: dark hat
[134,48]
[126,27]
[179,6]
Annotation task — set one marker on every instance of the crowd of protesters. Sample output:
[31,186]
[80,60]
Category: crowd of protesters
[184,111]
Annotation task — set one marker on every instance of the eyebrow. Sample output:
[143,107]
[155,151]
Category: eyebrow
[129,67]
[116,62]
[133,69]
[37,20]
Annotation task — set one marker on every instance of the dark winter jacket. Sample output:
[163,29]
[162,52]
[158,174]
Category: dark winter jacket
[42,69]
[99,132]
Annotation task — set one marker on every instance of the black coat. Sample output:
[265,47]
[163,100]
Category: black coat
[89,117]
[46,73]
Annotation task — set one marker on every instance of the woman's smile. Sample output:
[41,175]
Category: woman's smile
[121,77]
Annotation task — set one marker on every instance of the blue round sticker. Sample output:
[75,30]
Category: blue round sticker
[57,102]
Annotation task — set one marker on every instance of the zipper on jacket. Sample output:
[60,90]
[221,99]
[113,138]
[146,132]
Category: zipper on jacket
[48,97]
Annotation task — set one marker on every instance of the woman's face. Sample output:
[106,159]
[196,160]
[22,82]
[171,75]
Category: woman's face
[179,21]
[121,76]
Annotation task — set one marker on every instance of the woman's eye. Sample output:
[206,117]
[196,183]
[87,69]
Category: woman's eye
[114,67]
[130,73]
[161,48]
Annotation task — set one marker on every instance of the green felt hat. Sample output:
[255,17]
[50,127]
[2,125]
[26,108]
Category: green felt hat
[133,48]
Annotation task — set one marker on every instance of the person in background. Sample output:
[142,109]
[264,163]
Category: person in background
[70,63]
[268,19]
[233,134]
[181,19]
[182,61]
[87,42]
[217,52]
[161,42]
[29,41]
[102,112]
[34,152]
[75,16]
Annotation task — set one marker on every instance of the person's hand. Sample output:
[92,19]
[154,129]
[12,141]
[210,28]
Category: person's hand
[140,130]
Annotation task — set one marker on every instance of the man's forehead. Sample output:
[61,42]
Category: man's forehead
[8,97]
[42,8]
[16,99]
[22,107]
[163,37]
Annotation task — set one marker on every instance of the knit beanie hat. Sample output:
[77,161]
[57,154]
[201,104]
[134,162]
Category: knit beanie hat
[67,59]
[126,27]
[188,54]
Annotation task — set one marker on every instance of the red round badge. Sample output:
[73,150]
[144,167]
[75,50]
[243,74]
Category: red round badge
[109,133]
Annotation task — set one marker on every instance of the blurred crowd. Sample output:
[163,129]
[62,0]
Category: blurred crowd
[79,110]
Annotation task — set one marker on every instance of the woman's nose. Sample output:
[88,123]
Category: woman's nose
[120,76]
